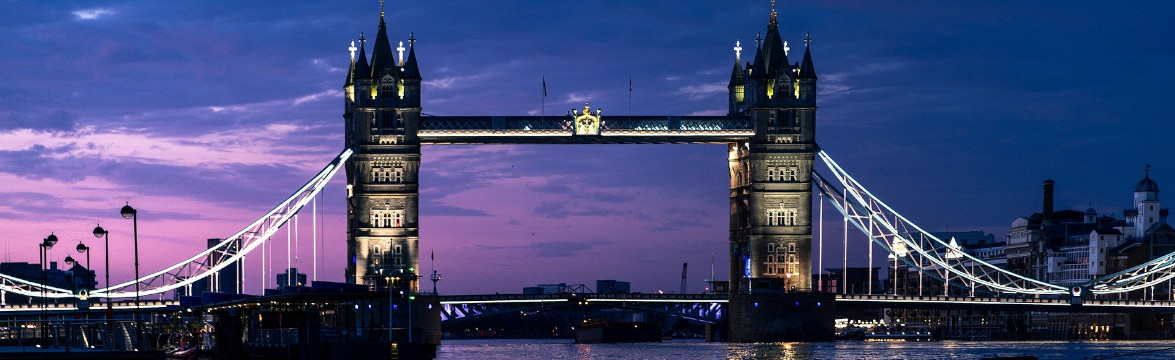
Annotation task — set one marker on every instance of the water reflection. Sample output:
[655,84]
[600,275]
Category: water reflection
[852,350]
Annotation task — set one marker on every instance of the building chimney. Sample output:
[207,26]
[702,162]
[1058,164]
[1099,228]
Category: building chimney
[1048,200]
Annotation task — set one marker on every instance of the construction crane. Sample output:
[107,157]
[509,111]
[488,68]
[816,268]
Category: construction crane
[684,266]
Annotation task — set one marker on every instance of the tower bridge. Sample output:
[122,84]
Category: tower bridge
[772,152]
[769,132]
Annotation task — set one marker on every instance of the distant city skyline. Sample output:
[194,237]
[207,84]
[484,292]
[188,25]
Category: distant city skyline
[204,116]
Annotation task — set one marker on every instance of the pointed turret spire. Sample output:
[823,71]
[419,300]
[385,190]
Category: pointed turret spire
[411,70]
[758,69]
[807,70]
[382,60]
[773,50]
[362,70]
[773,14]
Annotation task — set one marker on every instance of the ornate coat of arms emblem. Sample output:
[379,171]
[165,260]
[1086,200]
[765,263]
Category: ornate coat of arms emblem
[585,122]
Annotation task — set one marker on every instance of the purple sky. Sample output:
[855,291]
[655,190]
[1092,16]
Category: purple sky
[204,115]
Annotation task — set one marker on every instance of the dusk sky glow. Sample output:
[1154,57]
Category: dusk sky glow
[204,115]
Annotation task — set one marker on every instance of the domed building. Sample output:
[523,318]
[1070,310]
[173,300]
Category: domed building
[1146,212]
[1070,247]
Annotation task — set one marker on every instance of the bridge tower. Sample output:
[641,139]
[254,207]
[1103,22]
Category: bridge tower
[770,175]
[382,114]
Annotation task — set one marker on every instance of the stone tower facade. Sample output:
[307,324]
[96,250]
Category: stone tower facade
[382,114]
[770,175]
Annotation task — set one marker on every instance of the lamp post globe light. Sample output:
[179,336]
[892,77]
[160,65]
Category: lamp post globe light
[129,212]
[99,232]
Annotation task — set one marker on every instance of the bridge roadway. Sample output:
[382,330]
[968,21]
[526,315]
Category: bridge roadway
[710,307]
[699,305]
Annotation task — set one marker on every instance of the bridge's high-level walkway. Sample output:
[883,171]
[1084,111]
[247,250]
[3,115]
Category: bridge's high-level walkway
[561,129]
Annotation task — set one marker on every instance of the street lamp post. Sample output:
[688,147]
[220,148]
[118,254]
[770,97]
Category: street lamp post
[99,232]
[390,306]
[83,249]
[46,244]
[129,212]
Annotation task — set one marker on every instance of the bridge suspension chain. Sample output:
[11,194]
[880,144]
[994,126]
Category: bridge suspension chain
[226,253]
[920,249]
[1142,276]
[917,247]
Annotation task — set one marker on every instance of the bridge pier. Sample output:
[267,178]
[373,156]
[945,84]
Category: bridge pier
[775,317]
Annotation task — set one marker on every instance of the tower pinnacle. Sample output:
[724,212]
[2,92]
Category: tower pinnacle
[807,39]
[401,49]
[737,51]
[773,14]
[353,49]
[381,11]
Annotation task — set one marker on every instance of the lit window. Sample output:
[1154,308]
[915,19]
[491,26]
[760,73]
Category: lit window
[789,218]
[387,218]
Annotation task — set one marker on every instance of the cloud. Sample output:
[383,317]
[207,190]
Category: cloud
[553,210]
[442,83]
[433,207]
[91,14]
[579,98]
[449,82]
[562,249]
[327,65]
[702,91]
[333,93]
[677,224]
[711,112]
[563,209]
[55,120]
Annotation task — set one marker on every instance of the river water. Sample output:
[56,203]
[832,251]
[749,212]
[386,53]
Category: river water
[963,350]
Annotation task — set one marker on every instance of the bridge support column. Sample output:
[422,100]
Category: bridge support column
[781,317]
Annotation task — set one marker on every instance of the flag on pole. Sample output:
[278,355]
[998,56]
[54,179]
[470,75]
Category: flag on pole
[630,97]
[544,86]
[432,255]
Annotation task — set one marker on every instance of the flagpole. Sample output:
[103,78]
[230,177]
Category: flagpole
[630,98]
[544,107]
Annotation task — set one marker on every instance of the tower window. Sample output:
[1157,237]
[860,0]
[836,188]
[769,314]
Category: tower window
[387,218]
[781,217]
